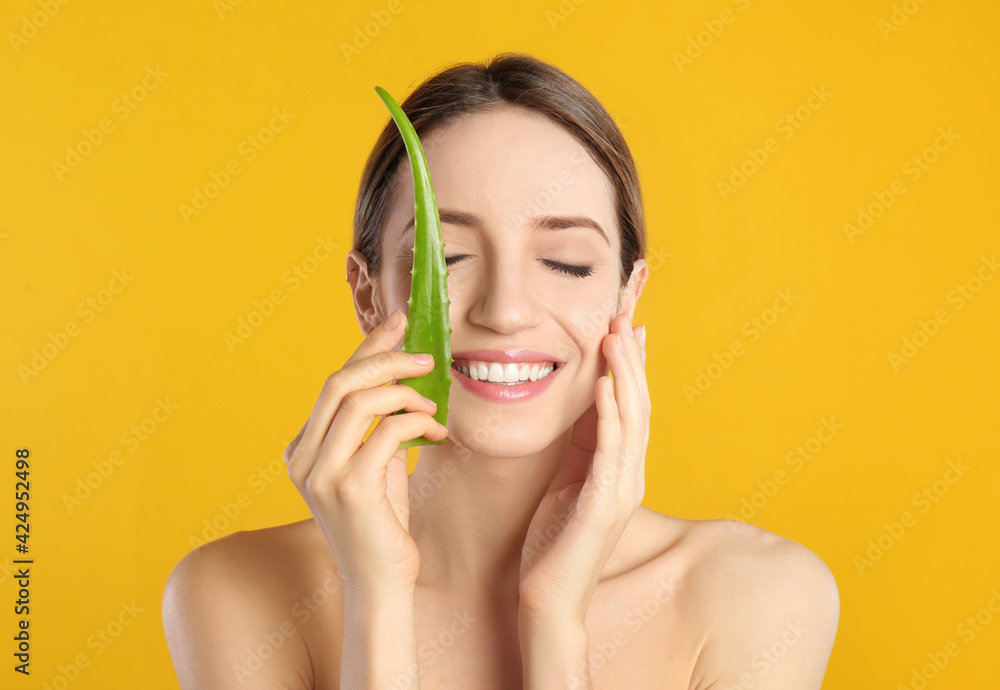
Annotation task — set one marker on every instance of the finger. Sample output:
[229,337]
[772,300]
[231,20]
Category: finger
[373,458]
[356,413]
[580,455]
[601,487]
[634,354]
[644,384]
[638,482]
[602,483]
[639,333]
[627,393]
[383,337]
[630,462]
[368,468]
[370,373]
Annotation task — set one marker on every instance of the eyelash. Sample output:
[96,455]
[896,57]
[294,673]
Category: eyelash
[567,269]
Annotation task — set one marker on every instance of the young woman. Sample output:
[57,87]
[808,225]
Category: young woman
[518,553]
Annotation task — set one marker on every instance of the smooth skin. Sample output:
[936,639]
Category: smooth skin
[517,554]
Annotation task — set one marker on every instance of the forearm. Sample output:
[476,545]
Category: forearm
[380,642]
[554,654]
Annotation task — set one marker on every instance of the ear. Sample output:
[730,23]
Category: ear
[367,305]
[628,297]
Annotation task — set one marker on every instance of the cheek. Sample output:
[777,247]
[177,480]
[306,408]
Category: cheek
[588,323]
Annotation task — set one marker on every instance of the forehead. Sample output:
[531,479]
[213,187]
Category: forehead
[508,166]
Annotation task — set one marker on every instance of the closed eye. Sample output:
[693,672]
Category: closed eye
[567,269]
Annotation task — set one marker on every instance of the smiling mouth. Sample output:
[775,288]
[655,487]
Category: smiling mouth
[505,373]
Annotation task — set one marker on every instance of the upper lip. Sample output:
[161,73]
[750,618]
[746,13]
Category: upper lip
[516,356]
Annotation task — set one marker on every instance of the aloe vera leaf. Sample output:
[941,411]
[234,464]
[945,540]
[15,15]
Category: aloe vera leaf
[428,328]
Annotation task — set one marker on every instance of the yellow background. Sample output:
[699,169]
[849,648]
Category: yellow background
[717,263]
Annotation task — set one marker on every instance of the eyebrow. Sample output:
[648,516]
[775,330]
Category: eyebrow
[546,222]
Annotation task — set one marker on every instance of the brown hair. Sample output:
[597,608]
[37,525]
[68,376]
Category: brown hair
[508,79]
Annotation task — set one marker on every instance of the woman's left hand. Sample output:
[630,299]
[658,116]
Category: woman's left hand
[596,491]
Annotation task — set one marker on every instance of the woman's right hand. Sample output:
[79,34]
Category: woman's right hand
[358,490]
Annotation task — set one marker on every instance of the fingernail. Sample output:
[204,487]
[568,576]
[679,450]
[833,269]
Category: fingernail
[429,400]
[642,335]
[394,318]
[621,343]
[422,358]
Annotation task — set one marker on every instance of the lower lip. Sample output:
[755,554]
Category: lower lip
[501,393]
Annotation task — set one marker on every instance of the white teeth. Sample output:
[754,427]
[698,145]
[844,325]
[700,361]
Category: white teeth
[496,373]
[509,373]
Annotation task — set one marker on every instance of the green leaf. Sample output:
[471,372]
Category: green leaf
[428,328]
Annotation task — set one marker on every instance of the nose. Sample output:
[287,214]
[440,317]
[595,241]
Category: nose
[502,298]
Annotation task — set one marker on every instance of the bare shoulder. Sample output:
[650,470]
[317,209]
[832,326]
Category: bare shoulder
[771,607]
[728,557]
[226,612]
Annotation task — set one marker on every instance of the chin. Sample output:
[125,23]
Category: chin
[499,436]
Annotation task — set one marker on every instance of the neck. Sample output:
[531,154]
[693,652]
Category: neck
[469,514]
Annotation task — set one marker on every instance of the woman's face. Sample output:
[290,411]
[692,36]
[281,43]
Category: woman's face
[532,245]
